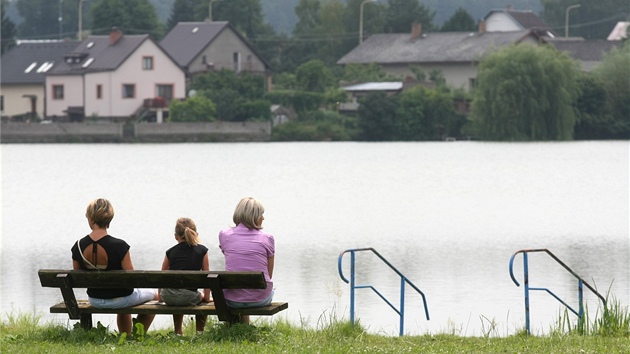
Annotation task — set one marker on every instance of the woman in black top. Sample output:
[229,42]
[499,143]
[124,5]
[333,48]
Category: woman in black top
[187,254]
[99,251]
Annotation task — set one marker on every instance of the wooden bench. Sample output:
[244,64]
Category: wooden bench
[68,280]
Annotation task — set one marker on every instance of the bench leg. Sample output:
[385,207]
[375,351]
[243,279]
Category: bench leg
[86,321]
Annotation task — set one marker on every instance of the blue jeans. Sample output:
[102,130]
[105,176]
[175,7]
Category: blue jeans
[242,305]
[138,297]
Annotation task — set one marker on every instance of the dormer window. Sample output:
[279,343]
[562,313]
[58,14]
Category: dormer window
[75,58]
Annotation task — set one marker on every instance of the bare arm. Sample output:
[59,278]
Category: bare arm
[75,265]
[270,261]
[126,262]
[205,265]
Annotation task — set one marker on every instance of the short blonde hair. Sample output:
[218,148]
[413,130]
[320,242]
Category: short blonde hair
[249,212]
[185,228]
[100,211]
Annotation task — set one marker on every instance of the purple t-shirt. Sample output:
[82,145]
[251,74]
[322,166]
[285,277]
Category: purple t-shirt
[247,250]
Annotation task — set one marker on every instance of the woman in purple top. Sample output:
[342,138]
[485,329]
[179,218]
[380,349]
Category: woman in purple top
[246,248]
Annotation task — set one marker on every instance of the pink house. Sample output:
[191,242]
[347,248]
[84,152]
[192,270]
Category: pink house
[113,77]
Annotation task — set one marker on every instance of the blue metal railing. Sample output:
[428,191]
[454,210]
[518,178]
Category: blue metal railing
[353,285]
[581,282]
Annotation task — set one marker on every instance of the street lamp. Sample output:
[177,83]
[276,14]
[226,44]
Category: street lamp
[566,19]
[60,19]
[210,10]
[361,19]
[80,36]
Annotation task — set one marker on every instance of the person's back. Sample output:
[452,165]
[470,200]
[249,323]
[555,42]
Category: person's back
[247,248]
[187,254]
[100,251]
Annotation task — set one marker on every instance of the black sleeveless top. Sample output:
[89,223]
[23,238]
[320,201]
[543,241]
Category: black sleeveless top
[116,250]
[183,256]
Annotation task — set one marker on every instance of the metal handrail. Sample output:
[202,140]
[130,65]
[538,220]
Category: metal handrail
[527,288]
[403,281]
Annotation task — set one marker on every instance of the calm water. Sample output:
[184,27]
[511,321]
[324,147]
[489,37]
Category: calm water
[447,215]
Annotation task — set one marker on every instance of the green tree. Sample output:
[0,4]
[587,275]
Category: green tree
[461,21]
[41,19]
[613,73]
[231,93]
[182,11]
[401,14]
[365,73]
[194,109]
[592,20]
[425,114]
[8,29]
[594,119]
[526,92]
[132,17]
[314,76]
[376,117]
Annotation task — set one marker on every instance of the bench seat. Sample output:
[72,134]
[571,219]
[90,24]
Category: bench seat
[69,280]
[160,308]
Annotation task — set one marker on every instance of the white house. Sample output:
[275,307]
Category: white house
[113,77]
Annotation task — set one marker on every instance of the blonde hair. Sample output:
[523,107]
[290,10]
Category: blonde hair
[100,211]
[249,212]
[186,229]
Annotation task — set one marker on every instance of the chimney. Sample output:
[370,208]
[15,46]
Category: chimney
[416,30]
[482,26]
[114,35]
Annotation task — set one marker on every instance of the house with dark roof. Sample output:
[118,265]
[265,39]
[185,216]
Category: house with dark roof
[588,52]
[199,47]
[22,76]
[455,54]
[113,77]
[507,19]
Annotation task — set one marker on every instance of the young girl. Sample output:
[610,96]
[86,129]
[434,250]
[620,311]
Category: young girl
[188,254]
[247,248]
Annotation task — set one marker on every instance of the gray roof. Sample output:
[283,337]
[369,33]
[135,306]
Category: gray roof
[103,56]
[187,39]
[583,49]
[33,55]
[440,47]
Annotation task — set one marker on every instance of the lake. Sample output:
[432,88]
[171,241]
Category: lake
[448,215]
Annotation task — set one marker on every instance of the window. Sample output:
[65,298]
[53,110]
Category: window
[1,103]
[57,92]
[236,58]
[164,91]
[147,63]
[99,91]
[472,83]
[250,65]
[129,91]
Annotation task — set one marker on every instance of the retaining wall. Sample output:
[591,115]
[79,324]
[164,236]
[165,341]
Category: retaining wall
[140,132]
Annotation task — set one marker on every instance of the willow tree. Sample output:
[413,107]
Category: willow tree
[525,92]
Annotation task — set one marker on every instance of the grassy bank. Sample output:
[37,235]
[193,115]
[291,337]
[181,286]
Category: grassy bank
[25,334]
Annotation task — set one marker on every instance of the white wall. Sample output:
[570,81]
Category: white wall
[501,22]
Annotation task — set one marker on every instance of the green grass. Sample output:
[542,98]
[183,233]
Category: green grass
[608,332]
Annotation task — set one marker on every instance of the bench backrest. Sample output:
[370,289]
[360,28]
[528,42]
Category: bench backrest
[152,279]
[68,280]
